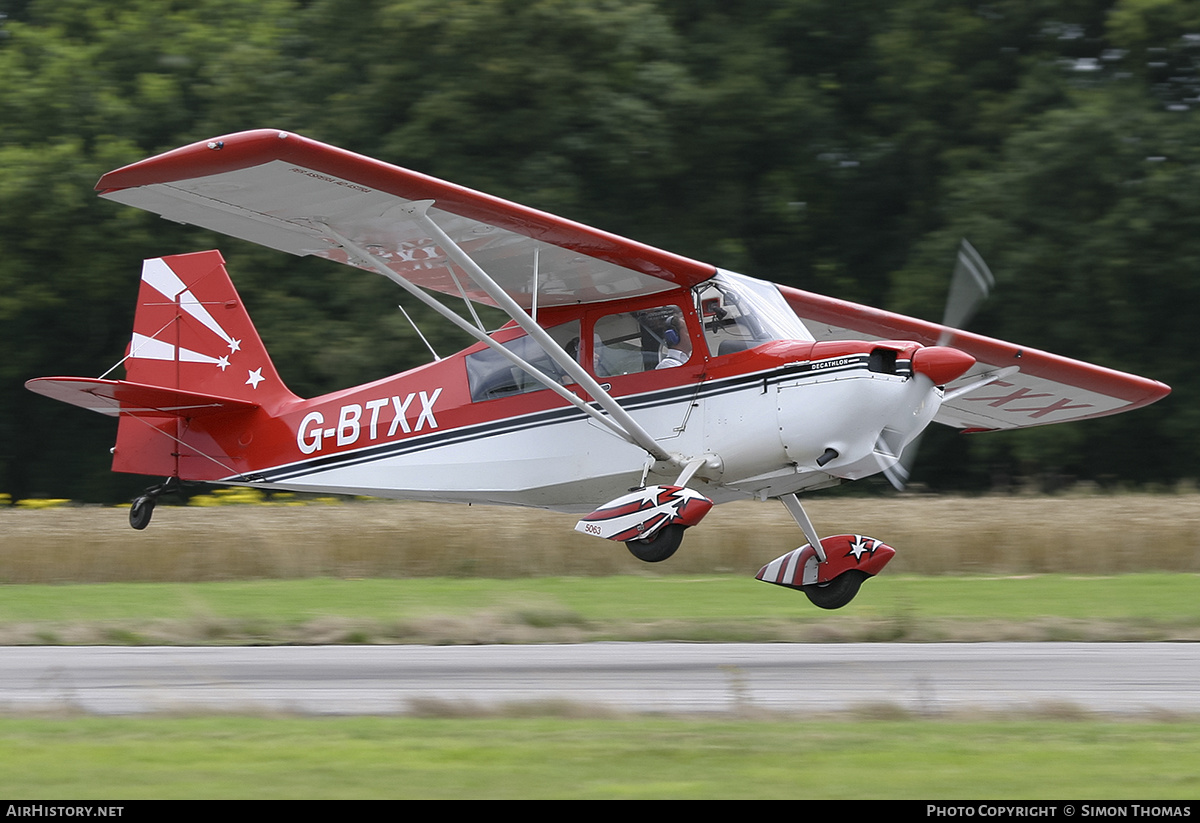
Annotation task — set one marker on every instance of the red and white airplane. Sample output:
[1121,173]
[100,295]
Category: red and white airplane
[627,374]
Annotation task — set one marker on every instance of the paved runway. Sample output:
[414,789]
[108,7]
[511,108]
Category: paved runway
[635,677]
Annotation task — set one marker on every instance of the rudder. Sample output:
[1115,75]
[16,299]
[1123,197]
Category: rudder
[191,331]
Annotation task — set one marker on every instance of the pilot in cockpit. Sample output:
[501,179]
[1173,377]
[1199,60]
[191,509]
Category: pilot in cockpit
[678,346]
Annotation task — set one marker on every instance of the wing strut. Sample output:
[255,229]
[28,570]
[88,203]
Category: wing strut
[984,380]
[568,363]
[617,420]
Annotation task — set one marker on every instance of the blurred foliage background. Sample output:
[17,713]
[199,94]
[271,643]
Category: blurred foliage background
[841,146]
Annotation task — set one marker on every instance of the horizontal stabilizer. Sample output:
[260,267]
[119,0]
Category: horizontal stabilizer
[117,397]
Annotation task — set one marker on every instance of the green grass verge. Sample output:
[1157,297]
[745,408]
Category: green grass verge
[255,757]
[717,607]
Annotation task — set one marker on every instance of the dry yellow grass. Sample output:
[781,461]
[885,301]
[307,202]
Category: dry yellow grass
[1096,534]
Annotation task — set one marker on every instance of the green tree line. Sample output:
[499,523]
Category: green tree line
[842,147]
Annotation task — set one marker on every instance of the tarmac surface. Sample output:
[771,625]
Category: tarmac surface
[670,678]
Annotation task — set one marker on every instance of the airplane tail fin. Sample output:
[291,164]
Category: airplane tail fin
[198,378]
[192,332]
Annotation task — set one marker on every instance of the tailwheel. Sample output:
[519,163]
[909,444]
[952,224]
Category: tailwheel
[659,547]
[837,592]
[142,508]
[141,511]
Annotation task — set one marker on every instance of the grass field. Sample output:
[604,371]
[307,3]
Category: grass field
[913,608]
[1082,534]
[549,757]
[1084,567]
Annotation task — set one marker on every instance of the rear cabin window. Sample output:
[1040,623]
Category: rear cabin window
[491,375]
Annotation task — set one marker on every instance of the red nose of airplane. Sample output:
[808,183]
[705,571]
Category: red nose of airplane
[941,364]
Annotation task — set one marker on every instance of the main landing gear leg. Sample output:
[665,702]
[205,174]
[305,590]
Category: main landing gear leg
[143,506]
[792,503]
[837,592]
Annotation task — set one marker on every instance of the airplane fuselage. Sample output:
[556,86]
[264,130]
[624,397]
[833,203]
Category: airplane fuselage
[721,378]
[767,416]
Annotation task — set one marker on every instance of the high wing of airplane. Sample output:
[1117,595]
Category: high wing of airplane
[634,386]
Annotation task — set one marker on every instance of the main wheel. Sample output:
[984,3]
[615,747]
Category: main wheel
[141,511]
[659,547]
[837,592]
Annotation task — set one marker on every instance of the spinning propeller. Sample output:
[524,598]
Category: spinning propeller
[970,285]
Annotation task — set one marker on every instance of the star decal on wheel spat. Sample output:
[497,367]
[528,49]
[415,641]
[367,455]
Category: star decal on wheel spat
[863,545]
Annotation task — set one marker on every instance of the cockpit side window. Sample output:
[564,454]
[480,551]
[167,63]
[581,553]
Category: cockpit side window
[491,375]
[640,341]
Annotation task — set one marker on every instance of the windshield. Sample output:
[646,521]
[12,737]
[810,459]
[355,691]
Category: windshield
[739,312]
